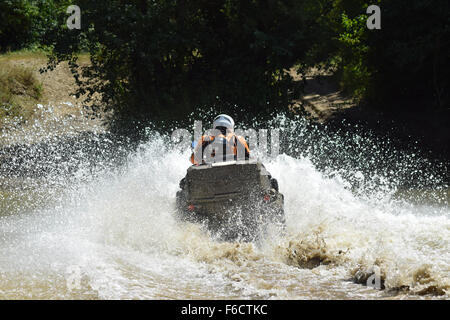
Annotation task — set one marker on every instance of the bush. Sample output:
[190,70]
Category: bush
[18,88]
[25,23]
[406,62]
[161,60]
[16,23]
[411,56]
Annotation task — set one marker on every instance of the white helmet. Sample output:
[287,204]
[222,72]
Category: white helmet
[223,120]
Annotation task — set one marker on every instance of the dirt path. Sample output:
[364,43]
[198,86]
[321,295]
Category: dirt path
[322,98]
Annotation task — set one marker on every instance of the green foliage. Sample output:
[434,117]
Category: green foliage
[355,76]
[16,18]
[406,62]
[24,23]
[163,59]
[411,56]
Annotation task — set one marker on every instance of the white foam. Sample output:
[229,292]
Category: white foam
[120,232]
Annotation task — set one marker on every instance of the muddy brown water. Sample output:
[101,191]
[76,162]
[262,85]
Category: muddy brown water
[113,235]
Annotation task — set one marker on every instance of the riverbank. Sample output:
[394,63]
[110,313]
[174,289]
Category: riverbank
[56,111]
[415,129]
[68,203]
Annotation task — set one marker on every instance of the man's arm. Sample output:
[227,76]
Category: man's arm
[242,148]
[195,152]
[197,155]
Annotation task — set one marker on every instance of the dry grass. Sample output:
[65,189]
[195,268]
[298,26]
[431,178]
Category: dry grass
[23,87]
[57,85]
[19,91]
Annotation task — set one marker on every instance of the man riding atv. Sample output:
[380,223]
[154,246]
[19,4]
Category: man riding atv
[222,145]
[234,196]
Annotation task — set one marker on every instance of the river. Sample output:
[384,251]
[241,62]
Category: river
[92,230]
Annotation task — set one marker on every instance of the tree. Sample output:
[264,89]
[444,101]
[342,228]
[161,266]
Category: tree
[25,23]
[405,63]
[16,22]
[163,59]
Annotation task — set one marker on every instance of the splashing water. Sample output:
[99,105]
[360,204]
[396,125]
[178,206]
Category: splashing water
[90,227]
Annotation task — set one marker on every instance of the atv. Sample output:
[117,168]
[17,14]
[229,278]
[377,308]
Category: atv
[235,200]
